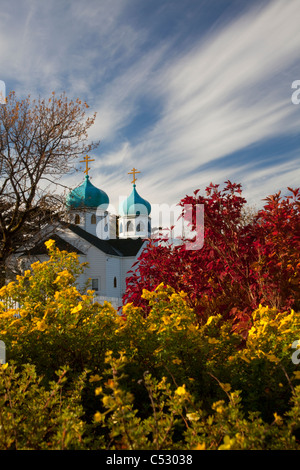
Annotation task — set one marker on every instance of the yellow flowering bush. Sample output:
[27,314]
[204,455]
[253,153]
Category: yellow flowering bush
[34,417]
[176,421]
[272,334]
[155,381]
[263,368]
[54,324]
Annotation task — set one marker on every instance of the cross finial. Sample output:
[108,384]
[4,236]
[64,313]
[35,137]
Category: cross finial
[133,172]
[86,160]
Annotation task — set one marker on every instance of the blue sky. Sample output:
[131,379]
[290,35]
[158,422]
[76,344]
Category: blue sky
[187,91]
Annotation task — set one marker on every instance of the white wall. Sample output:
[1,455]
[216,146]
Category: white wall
[113,271]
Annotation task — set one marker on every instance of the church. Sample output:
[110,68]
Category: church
[109,243]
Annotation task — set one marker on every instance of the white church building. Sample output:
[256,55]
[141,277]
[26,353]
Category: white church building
[109,243]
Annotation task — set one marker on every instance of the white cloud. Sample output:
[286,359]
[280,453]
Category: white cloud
[229,92]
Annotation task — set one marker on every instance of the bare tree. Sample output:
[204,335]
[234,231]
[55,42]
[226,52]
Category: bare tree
[39,142]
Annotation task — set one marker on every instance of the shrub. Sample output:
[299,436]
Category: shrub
[80,376]
[35,418]
[55,324]
[175,421]
[241,264]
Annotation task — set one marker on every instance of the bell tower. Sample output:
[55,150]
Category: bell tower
[87,208]
[134,219]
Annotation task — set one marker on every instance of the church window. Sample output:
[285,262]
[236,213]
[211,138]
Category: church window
[129,226]
[95,284]
[115,282]
[93,219]
[77,219]
[140,227]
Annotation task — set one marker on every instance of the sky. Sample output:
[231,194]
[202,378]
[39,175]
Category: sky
[189,92]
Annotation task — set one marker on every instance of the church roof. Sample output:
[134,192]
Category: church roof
[135,205]
[87,195]
[60,243]
[115,247]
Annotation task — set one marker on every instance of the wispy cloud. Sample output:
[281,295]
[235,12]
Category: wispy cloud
[176,104]
[230,91]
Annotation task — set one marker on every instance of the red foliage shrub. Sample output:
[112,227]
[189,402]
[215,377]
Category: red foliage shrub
[240,265]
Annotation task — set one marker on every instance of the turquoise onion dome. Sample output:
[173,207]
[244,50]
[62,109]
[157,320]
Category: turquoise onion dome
[87,196]
[135,205]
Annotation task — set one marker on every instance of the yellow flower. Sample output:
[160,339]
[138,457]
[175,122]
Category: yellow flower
[97,417]
[272,358]
[106,400]
[181,390]
[127,307]
[95,378]
[200,446]
[245,359]
[145,294]
[64,275]
[2,291]
[192,416]
[278,420]
[176,361]
[77,308]
[41,326]
[226,387]
[218,406]
[227,443]
[213,340]
[49,244]
[4,366]
[210,420]
[219,409]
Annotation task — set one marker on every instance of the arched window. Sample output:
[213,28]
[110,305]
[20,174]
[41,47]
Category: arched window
[140,227]
[129,226]
[93,219]
[115,281]
[121,228]
[77,219]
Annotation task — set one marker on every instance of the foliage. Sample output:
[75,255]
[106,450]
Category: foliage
[81,376]
[55,325]
[241,264]
[224,427]
[33,418]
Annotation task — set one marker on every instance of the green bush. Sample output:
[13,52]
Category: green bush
[35,418]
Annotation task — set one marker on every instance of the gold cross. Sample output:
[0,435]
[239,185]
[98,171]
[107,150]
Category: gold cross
[133,172]
[86,160]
